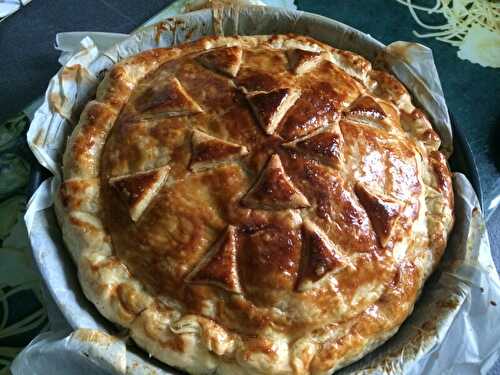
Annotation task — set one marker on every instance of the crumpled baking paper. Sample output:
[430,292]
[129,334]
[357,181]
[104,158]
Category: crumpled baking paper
[455,326]
[9,7]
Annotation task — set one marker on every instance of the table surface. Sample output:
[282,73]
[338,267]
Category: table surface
[28,60]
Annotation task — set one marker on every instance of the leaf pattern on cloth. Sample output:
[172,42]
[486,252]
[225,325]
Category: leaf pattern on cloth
[22,312]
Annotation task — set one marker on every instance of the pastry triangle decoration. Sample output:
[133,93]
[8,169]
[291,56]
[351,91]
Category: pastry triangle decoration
[270,107]
[226,60]
[302,61]
[219,266]
[274,190]
[325,144]
[138,190]
[317,107]
[375,112]
[382,211]
[209,151]
[320,257]
[168,99]
[366,108]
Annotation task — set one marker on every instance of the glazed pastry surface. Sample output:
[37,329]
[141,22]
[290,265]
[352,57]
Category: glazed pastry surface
[245,205]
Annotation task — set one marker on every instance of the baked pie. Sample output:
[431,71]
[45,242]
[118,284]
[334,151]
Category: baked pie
[254,205]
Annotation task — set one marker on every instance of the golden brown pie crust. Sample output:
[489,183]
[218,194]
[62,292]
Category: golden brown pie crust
[263,204]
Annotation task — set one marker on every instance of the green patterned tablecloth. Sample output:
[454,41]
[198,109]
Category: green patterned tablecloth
[20,286]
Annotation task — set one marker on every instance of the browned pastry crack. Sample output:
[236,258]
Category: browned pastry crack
[326,145]
[270,107]
[208,151]
[219,266]
[168,98]
[138,190]
[318,106]
[383,212]
[223,60]
[302,61]
[321,255]
[366,106]
[274,190]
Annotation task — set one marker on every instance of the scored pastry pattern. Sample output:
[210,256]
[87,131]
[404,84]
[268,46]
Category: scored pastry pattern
[304,126]
[264,204]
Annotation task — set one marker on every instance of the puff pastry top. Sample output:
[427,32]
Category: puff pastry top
[254,204]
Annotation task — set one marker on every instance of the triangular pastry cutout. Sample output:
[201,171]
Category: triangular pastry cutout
[375,112]
[138,190]
[226,60]
[219,266]
[320,257]
[270,107]
[367,106]
[168,98]
[382,211]
[274,190]
[301,61]
[325,144]
[208,151]
[366,109]
[316,108]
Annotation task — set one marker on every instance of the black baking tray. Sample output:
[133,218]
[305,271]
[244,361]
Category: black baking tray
[462,160]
